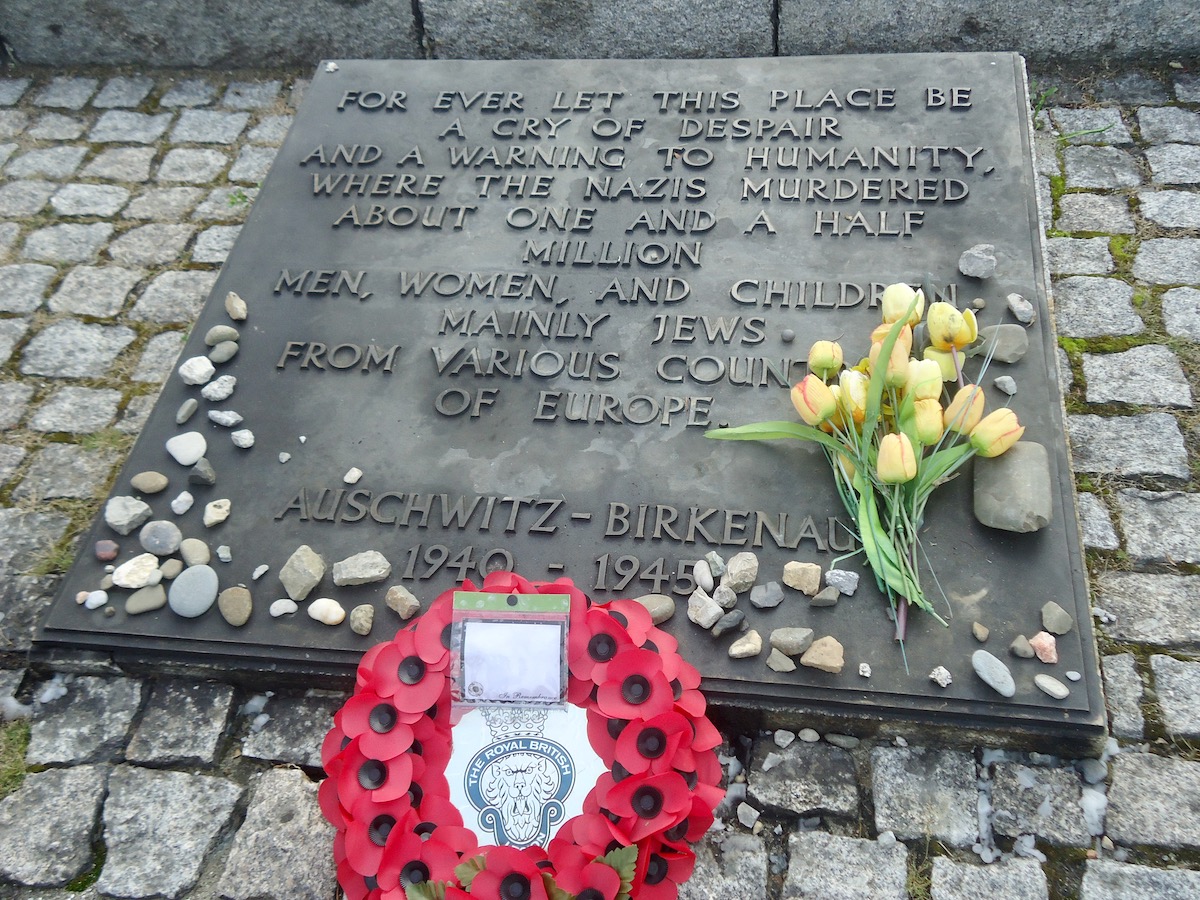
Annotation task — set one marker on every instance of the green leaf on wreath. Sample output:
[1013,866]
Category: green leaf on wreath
[553,891]
[466,870]
[623,861]
[426,890]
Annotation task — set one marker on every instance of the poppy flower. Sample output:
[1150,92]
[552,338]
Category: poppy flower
[603,732]
[382,779]
[659,871]
[508,874]
[590,832]
[593,643]
[353,883]
[328,801]
[432,635]
[666,647]
[635,687]
[580,603]
[647,804]
[369,827]
[656,745]
[433,742]
[335,742]
[634,616]
[402,675]
[584,877]
[439,818]
[410,859]
[376,723]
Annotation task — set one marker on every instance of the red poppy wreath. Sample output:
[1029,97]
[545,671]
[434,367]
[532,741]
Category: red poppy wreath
[399,835]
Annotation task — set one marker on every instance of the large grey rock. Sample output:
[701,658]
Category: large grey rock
[1149,375]
[295,729]
[193,592]
[65,470]
[67,243]
[23,286]
[1096,523]
[1040,801]
[1168,261]
[22,198]
[1177,685]
[71,349]
[183,724]
[208,126]
[191,165]
[123,514]
[806,780]
[1078,256]
[159,827]
[129,164]
[1150,444]
[180,34]
[1091,126]
[66,92]
[76,410]
[149,245]
[90,723]
[1012,491]
[1011,879]
[1181,312]
[123,91]
[844,868]
[24,600]
[302,572]
[476,29]
[252,164]
[174,297]
[11,331]
[282,848]
[1171,209]
[1095,213]
[736,869]
[1160,525]
[361,568]
[1100,167]
[922,792]
[46,825]
[1151,609]
[1087,307]
[1174,163]
[1104,879]
[56,163]
[1152,800]
[121,127]
[95,291]
[1123,695]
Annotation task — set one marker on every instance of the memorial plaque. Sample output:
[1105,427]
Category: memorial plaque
[516,294]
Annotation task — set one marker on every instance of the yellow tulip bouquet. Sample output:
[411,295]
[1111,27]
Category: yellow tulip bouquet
[888,437]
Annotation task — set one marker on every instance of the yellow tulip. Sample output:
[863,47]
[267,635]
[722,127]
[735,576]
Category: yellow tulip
[944,361]
[965,410]
[853,395]
[949,327]
[928,416]
[825,358]
[924,379]
[813,400]
[897,462]
[896,373]
[998,431]
[896,300]
[903,339]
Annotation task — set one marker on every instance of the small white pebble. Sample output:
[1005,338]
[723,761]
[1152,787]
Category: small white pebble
[96,599]
[864,670]
[284,457]
[783,739]
[285,606]
[808,735]
[901,742]
[224,554]
[353,476]
[260,572]
[1073,675]
[243,438]
[303,439]
[331,67]
[182,503]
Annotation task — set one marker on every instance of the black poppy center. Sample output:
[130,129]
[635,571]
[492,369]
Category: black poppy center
[371,882]
[656,869]
[615,727]
[620,617]
[415,795]
[411,670]
[382,718]
[647,802]
[424,830]
[589,894]
[602,647]
[652,743]
[619,772]
[677,832]
[416,749]
[676,688]
[416,872]
[446,636]
[636,689]
[372,774]
[691,779]
[380,828]
[514,886]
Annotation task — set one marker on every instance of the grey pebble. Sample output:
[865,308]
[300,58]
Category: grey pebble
[1055,619]
[791,640]
[224,553]
[186,410]
[235,605]
[780,662]
[716,564]
[766,596]
[194,552]
[1051,686]
[202,473]
[95,599]
[187,448]
[160,537]
[724,596]
[845,741]
[660,606]
[845,581]
[123,514]
[1011,343]
[728,622]
[362,617]
[243,438]
[220,333]
[219,389]
[741,572]
[284,457]
[227,417]
[994,673]
[1021,309]
[145,600]
[182,503]
[808,735]
[1006,384]
[978,262]
[260,571]
[1021,647]
[193,592]
[223,352]
[171,569]
[149,482]
[703,575]
[827,596]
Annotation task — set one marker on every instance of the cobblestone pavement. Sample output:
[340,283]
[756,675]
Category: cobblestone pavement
[120,195]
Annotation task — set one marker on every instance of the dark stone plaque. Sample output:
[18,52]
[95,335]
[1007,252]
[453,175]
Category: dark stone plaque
[516,294]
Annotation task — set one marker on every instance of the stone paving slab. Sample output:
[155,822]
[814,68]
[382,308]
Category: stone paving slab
[90,722]
[736,869]
[922,792]
[1014,879]
[1104,879]
[832,867]
[1145,791]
